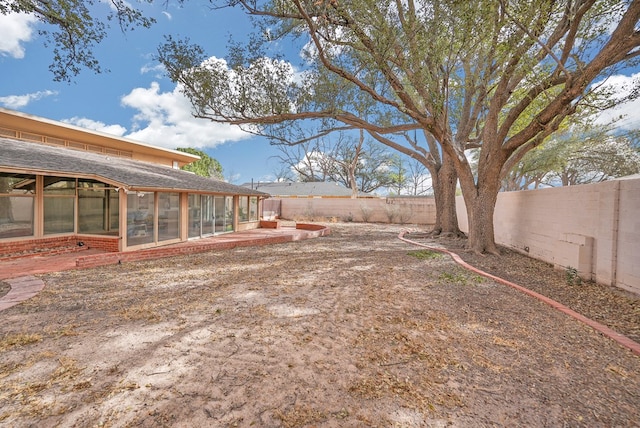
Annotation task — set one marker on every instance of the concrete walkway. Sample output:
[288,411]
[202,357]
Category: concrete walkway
[19,273]
[22,288]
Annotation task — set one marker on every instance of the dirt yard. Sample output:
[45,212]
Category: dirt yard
[357,329]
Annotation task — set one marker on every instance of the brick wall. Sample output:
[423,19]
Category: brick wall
[57,244]
[106,243]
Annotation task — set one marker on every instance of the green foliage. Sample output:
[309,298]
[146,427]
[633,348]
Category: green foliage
[425,254]
[372,169]
[572,277]
[461,278]
[579,155]
[206,166]
[74,27]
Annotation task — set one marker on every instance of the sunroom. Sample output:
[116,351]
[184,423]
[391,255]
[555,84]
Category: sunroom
[58,189]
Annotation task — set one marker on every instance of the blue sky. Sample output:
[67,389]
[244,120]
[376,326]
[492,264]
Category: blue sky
[136,101]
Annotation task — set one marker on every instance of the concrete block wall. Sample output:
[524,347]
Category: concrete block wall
[593,228]
[628,253]
[404,210]
[575,251]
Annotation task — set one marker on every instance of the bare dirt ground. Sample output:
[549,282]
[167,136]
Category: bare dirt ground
[611,306]
[4,288]
[357,329]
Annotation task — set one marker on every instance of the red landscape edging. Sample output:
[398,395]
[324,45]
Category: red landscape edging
[603,329]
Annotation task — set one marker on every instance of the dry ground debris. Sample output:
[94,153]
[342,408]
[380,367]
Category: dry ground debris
[357,329]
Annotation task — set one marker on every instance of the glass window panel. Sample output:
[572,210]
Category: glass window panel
[59,214]
[114,210]
[140,218]
[253,208]
[16,204]
[59,186]
[228,213]
[17,184]
[168,216]
[208,219]
[243,209]
[194,215]
[219,214]
[95,210]
[91,184]
[92,215]
[16,216]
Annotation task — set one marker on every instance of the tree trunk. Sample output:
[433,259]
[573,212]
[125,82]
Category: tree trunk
[480,201]
[480,211]
[353,165]
[352,181]
[444,183]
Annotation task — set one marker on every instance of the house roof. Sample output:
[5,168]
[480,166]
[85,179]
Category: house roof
[36,158]
[22,126]
[290,188]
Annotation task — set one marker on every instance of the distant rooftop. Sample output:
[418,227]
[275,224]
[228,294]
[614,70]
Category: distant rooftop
[290,188]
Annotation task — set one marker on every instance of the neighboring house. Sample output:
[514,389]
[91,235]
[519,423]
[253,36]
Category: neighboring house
[304,190]
[63,184]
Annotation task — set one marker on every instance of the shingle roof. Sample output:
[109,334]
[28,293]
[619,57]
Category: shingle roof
[127,173]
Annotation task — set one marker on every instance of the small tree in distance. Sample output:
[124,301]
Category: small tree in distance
[358,164]
[579,155]
[206,166]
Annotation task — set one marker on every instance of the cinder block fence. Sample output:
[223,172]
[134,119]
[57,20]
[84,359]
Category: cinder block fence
[594,228]
[402,210]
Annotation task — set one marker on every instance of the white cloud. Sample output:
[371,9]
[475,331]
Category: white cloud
[15,29]
[113,7]
[96,126]
[157,70]
[627,114]
[20,101]
[164,119]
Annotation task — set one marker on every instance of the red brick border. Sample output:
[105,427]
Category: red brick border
[56,245]
[93,260]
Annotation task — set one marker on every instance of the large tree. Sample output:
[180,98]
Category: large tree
[499,76]
[264,96]
[72,28]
